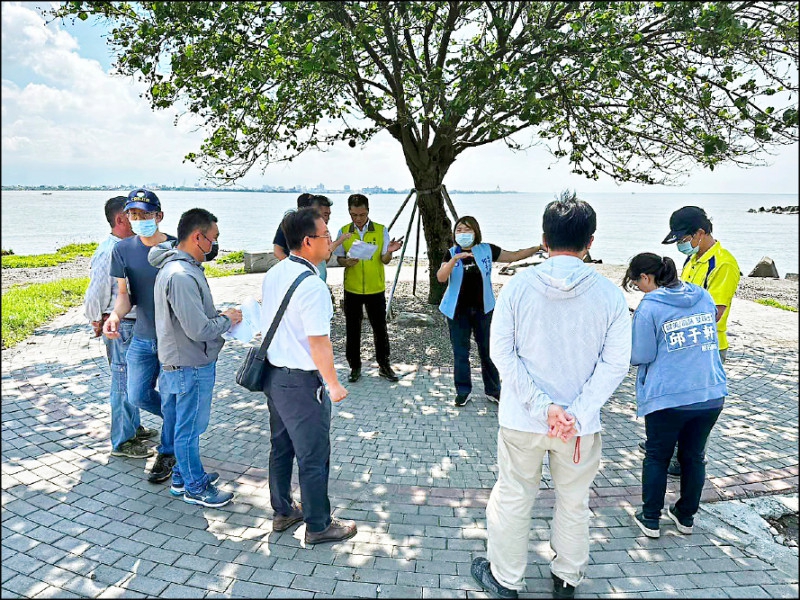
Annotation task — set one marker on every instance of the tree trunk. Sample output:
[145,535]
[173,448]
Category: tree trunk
[437,228]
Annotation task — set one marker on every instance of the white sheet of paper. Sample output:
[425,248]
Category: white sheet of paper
[250,324]
[362,250]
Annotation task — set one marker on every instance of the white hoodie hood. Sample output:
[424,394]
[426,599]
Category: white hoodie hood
[561,333]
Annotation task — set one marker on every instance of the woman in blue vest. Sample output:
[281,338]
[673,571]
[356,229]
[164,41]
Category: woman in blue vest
[468,302]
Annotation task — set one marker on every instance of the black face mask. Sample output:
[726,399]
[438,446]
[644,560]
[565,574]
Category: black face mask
[212,254]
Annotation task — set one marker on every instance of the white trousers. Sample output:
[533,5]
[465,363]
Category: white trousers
[508,514]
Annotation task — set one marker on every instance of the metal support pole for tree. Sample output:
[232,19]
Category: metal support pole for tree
[416,254]
[402,254]
[402,206]
[449,202]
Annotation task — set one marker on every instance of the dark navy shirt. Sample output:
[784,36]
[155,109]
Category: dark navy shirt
[280,240]
[129,260]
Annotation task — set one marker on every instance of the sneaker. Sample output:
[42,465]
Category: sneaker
[674,469]
[132,449]
[283,522]
[386,372]
[493,398]
[177,488]
[482,573]
[462,399]
[337,531]
[212,497]
[162,468]
[641,446]
[143,433]
[649,527]
[355,375]
[681,526]
[561,589]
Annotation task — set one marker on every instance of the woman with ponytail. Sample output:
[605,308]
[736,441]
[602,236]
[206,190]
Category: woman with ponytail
[680,385]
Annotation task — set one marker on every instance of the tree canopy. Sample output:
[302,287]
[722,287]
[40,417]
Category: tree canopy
[636,91]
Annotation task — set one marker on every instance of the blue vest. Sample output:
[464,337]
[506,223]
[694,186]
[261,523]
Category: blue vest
[483,258]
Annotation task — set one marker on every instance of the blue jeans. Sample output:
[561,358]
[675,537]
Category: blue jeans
[472,322]
[189,389]
[300,424]
[124,416]
[690,428]
[143,368]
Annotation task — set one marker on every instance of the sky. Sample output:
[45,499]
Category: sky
[67,121]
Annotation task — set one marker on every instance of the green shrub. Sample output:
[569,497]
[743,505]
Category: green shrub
[776,304]
[233,257]
[26,308]
[4,252]
[212,271]
[62,255]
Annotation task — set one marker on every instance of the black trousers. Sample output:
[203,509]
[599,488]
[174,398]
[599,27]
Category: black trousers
[300,423]
[354,315]
[690,429]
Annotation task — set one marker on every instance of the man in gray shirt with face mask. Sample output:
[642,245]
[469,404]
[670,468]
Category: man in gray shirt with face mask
[189,331]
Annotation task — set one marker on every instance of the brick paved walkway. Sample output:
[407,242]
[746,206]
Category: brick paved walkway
[414,472]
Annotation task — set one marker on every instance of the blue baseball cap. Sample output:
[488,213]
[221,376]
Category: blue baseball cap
[144,200]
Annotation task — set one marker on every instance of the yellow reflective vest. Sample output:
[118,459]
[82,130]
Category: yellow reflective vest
[367,277]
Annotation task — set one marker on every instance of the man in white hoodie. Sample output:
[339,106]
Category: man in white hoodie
[561,339]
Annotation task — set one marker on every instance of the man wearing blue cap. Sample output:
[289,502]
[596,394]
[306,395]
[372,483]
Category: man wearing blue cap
[136,279]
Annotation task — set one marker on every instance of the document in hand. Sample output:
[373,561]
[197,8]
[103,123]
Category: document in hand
[250,324]
[362,250]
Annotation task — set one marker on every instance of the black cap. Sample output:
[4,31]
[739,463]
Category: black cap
[686,220]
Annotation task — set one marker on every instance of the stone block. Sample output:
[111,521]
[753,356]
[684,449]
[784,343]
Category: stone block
[414,319]
[792,276]
[259,262]
[765,268]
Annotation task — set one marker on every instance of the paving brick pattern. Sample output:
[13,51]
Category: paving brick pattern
[414,471]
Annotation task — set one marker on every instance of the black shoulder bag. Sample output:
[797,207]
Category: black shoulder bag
[253,373]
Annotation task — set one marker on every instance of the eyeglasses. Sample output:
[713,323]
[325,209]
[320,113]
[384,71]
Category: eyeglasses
[144,216]
[208,240]
[327,235]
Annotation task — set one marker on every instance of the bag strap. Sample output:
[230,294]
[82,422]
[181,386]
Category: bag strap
[262,352]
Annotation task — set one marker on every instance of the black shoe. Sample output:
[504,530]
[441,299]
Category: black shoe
[462,399]
[283,522]
[684,525]
[143,433]
[641,446]
[561,589]
[162,468]
[482,573]
[674,469]
[355,375]
[649,527]
[386,372]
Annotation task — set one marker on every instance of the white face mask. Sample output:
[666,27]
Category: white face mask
[465,239]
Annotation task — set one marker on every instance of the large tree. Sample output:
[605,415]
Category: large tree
[636,91]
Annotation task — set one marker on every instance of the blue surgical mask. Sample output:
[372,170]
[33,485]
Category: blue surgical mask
[465,239]
[146,228]
[687,248]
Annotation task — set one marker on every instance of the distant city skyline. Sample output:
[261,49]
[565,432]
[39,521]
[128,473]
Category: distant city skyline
[67,121]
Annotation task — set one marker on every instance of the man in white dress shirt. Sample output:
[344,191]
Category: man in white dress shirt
[561,339]
[302,359]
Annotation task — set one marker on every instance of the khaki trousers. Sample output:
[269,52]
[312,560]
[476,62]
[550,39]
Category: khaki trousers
[508,514]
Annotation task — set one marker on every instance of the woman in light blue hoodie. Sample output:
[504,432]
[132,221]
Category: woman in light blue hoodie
[680,385]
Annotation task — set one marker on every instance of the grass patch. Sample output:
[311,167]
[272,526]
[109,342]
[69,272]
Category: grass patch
[26,308]
[212,271]
[233,257]
[776,304]
[62,255]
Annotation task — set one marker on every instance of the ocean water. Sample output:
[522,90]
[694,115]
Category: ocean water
[627,223]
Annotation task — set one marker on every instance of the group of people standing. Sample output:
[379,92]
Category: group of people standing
[559,339]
